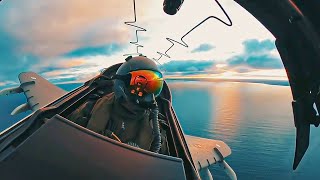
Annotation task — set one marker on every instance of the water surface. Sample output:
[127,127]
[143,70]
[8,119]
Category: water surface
[255,120]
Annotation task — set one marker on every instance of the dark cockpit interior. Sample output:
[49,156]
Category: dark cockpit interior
[77,152]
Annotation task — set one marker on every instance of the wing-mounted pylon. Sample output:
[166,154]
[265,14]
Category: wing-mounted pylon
[206,152]
[38,91]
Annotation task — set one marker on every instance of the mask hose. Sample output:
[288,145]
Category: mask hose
[156,144]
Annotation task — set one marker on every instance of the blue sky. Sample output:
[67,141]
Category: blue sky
[67,41]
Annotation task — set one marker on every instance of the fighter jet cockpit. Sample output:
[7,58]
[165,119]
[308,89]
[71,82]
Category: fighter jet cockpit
[126,107]
[205,63]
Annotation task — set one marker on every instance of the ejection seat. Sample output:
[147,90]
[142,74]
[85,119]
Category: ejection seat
[104,86]
[47,140]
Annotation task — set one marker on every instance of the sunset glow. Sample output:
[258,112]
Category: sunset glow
[254,75]
[81,44]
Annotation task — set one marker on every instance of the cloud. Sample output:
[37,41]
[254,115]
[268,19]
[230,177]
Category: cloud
[74,74]
[98,50]
[72,40]
[187,66]
[69,68]
[203,48]
[52,28]
[256,61]
[12,60]
[43,35]
[77,69]
[71,63]
[257,54]
[255,46]
[4,84]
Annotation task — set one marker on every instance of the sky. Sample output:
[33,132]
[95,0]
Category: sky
[70,41]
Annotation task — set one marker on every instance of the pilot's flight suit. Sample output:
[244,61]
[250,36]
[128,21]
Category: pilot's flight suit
[128,121]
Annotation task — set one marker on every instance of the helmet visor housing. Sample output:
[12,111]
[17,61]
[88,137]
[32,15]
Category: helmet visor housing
[145,82]
[141,82]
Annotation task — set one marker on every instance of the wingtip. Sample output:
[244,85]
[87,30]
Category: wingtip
[294,168]
[296,162]
[295,165]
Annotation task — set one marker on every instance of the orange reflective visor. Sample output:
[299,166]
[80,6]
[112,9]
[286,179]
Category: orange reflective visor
[146,81]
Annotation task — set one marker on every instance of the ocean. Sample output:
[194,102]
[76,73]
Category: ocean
[254,119]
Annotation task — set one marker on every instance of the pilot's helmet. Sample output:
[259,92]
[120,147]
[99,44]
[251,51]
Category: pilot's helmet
[137,79]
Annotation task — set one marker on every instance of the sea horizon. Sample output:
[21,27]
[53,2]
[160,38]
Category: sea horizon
[254,119]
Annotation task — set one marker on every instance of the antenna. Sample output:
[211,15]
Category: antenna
[132,23]
[172,41]
[183,43]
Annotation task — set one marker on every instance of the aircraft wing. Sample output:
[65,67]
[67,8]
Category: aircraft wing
[206,152]
[38,91]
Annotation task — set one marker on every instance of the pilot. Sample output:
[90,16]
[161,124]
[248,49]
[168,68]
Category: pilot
[130,113]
